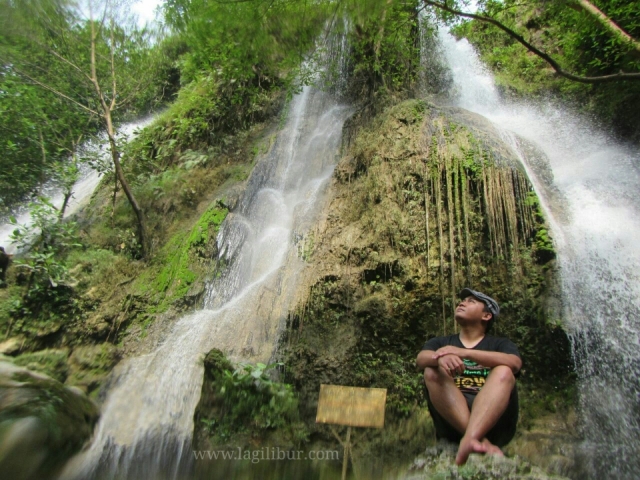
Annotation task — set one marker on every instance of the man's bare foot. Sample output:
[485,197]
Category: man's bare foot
[467,447]
[492,449]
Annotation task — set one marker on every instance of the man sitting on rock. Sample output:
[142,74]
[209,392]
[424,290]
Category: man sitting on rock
[470,379]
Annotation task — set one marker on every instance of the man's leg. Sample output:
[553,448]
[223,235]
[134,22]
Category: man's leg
[447,398]
[488,407]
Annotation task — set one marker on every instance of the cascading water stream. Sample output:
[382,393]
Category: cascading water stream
[84,187]
[147,420]
[588,185]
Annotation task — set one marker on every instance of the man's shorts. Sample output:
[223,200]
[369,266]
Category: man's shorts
[501,433]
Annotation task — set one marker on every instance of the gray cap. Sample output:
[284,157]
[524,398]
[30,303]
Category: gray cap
[491,304]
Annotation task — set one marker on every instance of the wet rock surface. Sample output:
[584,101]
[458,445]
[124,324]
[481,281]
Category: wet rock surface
[42,423]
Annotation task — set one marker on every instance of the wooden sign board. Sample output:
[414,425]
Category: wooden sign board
[352,406]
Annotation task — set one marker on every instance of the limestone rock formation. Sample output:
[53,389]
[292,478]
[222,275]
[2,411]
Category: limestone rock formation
[426,200]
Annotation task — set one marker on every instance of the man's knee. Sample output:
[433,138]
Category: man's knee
[503,374]
[433,375]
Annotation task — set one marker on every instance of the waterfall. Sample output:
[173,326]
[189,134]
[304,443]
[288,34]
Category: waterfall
[588,184]
[147,420]
[85,185]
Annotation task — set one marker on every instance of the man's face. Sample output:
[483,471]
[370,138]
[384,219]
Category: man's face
[471,310]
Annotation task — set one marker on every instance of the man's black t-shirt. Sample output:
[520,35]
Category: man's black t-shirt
[474,376]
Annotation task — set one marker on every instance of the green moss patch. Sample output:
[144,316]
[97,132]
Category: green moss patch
[183,260]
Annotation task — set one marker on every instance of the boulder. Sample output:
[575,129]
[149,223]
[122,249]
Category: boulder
[11,346]
[42,423]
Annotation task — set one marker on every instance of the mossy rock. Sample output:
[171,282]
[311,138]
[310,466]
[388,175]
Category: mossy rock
[177,277]
[90,365]
[42,423]
[51,362]
[215,363]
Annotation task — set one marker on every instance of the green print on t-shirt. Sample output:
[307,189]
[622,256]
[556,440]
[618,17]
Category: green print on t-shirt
[473,377]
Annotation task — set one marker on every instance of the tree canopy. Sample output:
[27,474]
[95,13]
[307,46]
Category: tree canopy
[47,94]
[602,47]
[577,41]
[47,97]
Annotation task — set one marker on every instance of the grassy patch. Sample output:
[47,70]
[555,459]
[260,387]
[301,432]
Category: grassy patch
[49,362]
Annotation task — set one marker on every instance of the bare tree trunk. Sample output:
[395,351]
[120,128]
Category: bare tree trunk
[65,202]
[115,156]
[107,108]
[69,188]
[43,151]
[115,196]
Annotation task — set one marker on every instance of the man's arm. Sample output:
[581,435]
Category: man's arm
[452,364]
[487,359]
[425,359]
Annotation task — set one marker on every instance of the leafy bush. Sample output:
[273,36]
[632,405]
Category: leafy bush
[47,239]
[385,56]
[248,400]
[47,300]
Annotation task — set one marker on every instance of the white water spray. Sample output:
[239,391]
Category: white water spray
[590,200]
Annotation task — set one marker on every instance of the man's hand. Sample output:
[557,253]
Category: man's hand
[450,359]
[451,364]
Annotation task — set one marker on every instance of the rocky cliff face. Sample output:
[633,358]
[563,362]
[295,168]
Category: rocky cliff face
[426,200]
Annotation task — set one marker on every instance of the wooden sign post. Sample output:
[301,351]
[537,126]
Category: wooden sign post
[351,406]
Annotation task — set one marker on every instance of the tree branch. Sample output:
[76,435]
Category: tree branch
[53,90]
[113,68]
[132,94]
[536,51]
[94,74]
[68,62]
[609,24]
